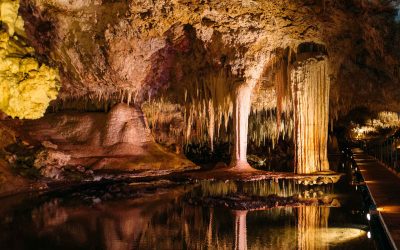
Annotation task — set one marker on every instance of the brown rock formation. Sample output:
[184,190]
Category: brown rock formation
[118,140]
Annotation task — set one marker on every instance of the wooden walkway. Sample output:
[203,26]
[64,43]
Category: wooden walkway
[384,187]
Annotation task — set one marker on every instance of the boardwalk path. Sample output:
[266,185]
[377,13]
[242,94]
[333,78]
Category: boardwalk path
[384,187]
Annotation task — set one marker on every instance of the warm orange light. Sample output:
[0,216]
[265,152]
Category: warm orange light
[389,209]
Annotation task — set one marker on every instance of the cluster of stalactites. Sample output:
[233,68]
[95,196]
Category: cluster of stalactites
[95,101]
[269,123]
[208,108]
[162,113]
[385,120]
[208,99]
[264,127]
[281,69]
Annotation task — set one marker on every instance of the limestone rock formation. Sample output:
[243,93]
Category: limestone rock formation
[118,140]
[310,87]
[50,163]
[26,86]
[200,69]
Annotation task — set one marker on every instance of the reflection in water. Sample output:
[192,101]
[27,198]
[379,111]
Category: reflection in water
[311,221]
[240,230]
[49,214]
[312,231]
[166,221]
[281,188]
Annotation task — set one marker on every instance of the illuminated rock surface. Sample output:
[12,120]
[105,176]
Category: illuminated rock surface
[118,140]
[310,87]
[26,86]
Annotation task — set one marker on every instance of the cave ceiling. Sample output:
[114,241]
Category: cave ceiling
[137,49]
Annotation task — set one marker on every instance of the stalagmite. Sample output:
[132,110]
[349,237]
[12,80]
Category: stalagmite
[310,89]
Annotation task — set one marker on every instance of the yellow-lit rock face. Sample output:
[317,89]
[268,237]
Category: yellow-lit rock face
[26,87]
[9,16]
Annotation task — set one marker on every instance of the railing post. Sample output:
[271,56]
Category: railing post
[384,151]
[391,154]
[395,154]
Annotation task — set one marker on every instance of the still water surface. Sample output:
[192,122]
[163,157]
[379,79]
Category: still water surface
[166,215]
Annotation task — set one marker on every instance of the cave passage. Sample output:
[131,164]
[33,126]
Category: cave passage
[197,124]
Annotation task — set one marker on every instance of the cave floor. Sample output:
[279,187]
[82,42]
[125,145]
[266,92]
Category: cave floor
[384,188]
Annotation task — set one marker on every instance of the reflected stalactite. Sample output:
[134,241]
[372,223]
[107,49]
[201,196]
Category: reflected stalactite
[312,221]
[263,188]
[240,230]
[50,214]
[210,229]
[310,90]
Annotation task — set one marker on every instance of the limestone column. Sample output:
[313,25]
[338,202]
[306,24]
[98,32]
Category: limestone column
[241,112]
[310,89]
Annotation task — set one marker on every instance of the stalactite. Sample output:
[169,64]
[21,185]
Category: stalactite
[207,107]
[263,127]
[310,90]
[211,124]
[100,100]
[282,88]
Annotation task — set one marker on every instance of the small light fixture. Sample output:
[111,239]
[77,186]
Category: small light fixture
[369,235]
[368,216]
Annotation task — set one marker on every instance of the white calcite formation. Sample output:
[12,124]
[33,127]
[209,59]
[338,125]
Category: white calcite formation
[310,88]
